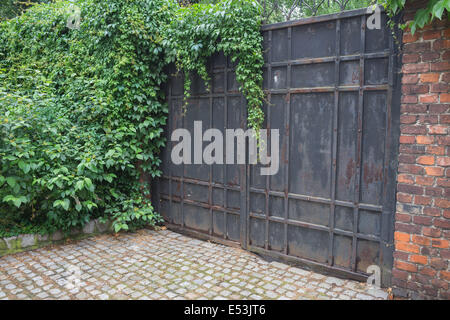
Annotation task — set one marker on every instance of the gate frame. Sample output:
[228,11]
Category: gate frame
[390,171]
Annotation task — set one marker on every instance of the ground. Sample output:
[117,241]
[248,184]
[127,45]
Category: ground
[162,265]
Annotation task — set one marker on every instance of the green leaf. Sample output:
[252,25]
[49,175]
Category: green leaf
[438,9]
[17,201]
[11,182]
[25,167]
[89,185]
[66,204]
[79,185]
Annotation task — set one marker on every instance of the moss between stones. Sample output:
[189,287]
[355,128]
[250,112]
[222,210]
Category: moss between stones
[12,245]
[3,246]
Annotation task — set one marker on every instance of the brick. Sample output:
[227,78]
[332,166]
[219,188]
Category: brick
[412,108]
[428,272]
[443,182]
[423,241]
[420,278]
[405,266]
[445,275]
[409,208]
[413,286]
[431,232]
[400,274]
[444,97]
[434,171]
[438,66]
[437,283]
[427,160]
[412,149]
[407,139]
[399,226]
[410,78]
[438,107]
[402,217]
[429,98]
[430,56]
[407,247]
[445,295]
[408,119]
[424,181]
[400,255]
[407,158]
[405,178]
[443,161]
[438,150]
[437,129]
[433,212]
[442,203]
[415,89]
[439,243]
[447,193]
[408,37]
[431,34]
[413,129]
[441,44]
[445,118]
[438,263]
[446,77]
[423,220]
[409,99]
[439,87]
[416,47]
[425,139]
[420,68]
[422,200]
[446,55]
[443,140]
[410,58]
[404,197]
[445,254]
[410,189]
[419,259]
[410,168]
[429,77]
[441,223]
[433,191]
[402,236]
[428,118]
[428,291]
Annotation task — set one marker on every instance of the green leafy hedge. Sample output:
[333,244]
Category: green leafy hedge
[82,110]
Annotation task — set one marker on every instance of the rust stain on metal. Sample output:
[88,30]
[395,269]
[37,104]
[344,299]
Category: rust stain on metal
[349,172]
[372,173]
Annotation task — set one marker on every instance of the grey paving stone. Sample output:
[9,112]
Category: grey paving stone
[163,265]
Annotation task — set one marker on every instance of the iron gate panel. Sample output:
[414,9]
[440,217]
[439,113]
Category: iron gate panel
[204,200]
[332,91]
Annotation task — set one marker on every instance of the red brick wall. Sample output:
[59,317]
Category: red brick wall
[422,227]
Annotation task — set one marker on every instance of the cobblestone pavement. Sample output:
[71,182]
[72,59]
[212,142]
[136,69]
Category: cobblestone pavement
[162,265]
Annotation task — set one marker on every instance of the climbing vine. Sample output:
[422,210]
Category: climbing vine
[82,110]
[230,26]
[435,9]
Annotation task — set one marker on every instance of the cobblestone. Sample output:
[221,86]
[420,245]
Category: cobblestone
[162,265]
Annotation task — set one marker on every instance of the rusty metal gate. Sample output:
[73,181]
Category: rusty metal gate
[332,91]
